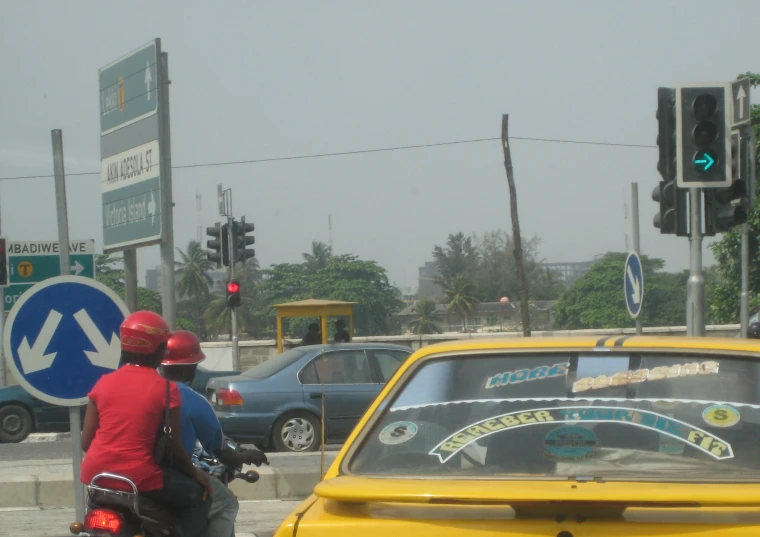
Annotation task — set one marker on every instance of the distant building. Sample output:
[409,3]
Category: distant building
[487,317]
[570,272]
[428,288]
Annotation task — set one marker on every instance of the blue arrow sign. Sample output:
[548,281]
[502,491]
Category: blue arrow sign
[705,161]
[633,285]
[62,335]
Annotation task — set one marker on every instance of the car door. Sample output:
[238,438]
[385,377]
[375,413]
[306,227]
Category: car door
[346,380]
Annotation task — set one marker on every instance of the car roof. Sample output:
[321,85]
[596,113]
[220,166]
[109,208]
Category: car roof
[363,346]
[591,343]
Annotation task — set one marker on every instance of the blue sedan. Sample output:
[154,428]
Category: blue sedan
[278,404]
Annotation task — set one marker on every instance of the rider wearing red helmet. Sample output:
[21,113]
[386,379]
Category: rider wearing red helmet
[122,422]
[199,423]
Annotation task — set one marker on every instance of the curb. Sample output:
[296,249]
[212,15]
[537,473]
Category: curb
[37,438]
[57,490]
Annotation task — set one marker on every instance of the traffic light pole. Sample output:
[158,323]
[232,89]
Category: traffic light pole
[747,167]
[695,288]
[233,311]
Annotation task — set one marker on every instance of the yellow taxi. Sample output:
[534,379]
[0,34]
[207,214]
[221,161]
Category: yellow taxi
[561,437]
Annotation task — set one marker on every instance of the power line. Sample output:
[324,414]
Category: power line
[356,152]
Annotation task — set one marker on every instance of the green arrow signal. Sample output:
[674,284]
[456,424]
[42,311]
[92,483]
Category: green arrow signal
[705,162]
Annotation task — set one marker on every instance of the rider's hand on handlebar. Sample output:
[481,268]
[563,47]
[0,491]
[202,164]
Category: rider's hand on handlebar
[254,456]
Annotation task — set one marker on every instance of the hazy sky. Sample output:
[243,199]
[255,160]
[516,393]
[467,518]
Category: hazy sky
[255,79]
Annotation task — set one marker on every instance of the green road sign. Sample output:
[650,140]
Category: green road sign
[131,214]
[36,261]
[128,88]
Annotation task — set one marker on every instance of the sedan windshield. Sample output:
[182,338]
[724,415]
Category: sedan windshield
[627,416]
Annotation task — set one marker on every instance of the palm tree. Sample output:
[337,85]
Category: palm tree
[459,297]
[424,324]
[194,280]
[320,254]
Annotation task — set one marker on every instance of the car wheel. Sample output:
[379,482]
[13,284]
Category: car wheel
[15,423]
[297,432]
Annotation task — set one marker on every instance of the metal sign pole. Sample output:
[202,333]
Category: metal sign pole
[3,374]
[744,172]
[168,296]
[695,301]
[75,420]
[636,245]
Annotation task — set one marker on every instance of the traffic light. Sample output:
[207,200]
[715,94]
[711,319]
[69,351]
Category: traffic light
[240,240]
[726,208]
[703,127]
[233,294]
[219,246]
[672,217]
[3,262]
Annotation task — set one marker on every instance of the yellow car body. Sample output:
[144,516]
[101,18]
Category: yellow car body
[717,493]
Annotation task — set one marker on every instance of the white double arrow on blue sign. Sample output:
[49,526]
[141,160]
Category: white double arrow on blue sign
[33,358]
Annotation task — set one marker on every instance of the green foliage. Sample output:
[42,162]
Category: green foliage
[424,324]
[596,300]
[343,277]
[490,261]
[459,296]
[723,288]
[110,274]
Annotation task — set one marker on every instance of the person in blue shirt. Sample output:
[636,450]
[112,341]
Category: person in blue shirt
[199,424]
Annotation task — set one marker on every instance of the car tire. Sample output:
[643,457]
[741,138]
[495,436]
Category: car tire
[297,432]
[16,423]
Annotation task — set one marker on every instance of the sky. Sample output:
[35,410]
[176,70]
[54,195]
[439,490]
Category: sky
[262,79]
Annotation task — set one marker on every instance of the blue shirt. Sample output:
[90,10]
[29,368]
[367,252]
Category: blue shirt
[198,422]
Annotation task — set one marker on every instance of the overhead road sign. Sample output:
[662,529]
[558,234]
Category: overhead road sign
[62,336]
[741,102]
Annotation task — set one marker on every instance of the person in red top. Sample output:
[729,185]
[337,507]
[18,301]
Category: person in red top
[122,422]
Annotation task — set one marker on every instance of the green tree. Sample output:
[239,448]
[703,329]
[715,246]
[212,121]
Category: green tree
[596,300]
[109,273]
[192,269]
[457,257]
[459,297]
[425,323]
[318,257]
[723,291]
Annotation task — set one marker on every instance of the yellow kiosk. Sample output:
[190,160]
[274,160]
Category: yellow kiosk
[315,308]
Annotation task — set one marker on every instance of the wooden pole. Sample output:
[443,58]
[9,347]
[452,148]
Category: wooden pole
[522,283]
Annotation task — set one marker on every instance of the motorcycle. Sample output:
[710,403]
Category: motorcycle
[115,513]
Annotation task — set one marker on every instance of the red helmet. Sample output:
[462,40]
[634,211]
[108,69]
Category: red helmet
[143,332]
[183,348]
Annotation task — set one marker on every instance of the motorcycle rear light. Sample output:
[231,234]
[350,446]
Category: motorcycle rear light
[227,397]
[104,520]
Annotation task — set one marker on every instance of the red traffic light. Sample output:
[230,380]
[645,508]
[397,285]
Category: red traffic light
[233,287]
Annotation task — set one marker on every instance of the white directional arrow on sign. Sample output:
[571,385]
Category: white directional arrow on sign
[740,96]
[152,208]
[34,358]
[148,78]
[635,286]
[105,354]
[77,268]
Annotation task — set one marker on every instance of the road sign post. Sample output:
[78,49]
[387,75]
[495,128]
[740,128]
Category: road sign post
[740,102]
[633,285]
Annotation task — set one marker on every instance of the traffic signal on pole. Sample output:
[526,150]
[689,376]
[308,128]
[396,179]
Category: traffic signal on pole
[726,208]
[703,136]
[233,294]
[4,262]
[241,239]
[219,246]
[672,217]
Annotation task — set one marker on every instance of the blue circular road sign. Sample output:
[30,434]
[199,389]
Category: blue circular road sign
[633,285]
[62,335]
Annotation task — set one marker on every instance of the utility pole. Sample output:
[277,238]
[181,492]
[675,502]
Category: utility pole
[521,280]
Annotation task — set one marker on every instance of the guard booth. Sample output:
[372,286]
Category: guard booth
[315,308]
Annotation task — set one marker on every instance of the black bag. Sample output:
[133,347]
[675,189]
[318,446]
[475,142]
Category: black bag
[164,456]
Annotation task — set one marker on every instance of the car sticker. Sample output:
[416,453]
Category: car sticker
[570,443]
[696,437]
[398,433]
[721,416]
[527,375]
[623,378]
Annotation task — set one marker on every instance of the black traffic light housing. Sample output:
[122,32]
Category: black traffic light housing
[241,239]
[703,136]
[672,217]
[4,269]
[726,208]
[233,294]
[220,245]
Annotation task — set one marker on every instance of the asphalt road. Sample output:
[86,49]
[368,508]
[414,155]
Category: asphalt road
[62,449]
